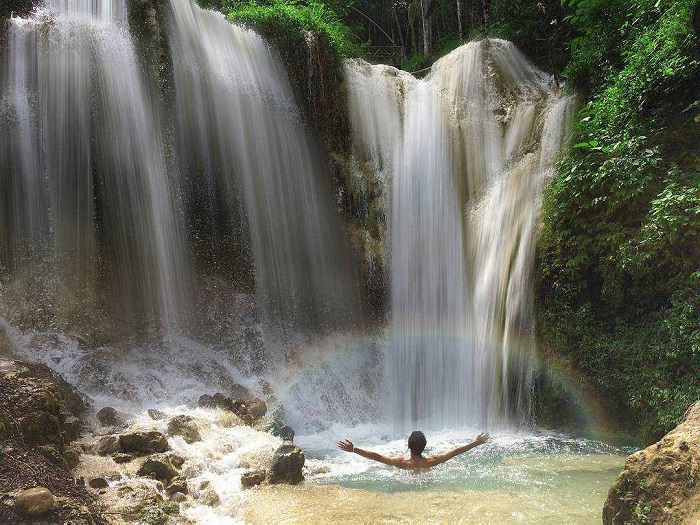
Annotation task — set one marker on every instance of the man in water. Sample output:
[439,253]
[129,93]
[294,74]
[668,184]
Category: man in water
[416,443]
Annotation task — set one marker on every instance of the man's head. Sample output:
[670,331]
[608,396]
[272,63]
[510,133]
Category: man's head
[417,442]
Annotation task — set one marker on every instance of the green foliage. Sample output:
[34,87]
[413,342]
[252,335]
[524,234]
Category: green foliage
[540,29]
[419,61]
[622,219]
[293,19]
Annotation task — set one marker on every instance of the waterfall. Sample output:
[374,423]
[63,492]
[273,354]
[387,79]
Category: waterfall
[84,176]
[241,134]
[466,152]
[110,211]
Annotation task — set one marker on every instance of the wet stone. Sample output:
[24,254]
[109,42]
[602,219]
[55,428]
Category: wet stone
[107,445]
[252,478]
[98,483]
[156,415]
[109,417]
[34,502]
[143,442]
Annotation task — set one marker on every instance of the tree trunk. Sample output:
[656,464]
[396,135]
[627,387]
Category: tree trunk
[459,19]
[425,19]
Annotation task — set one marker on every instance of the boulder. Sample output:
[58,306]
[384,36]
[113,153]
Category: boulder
[176,460]
[660,484]
[256,408]
[241,392]
[177,484]
[143,443]
[268,424]
[109,417]
[209,497]
[287,464]
[285,432]
[158,467]
[251,478]
[156,415]
[137,499]
[107,445]
[97,483]
[186,427]
[206,401]
[34,502]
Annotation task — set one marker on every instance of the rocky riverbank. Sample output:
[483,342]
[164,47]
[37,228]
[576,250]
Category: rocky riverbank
[61,462]
[39,422]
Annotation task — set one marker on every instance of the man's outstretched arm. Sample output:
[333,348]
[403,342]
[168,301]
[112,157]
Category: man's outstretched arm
[436,459]
[347,446]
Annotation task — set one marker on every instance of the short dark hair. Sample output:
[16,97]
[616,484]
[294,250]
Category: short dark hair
[417,442]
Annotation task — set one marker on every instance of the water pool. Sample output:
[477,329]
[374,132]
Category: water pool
[533,477]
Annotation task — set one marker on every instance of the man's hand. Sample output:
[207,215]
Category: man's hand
[346,445]
[482,438]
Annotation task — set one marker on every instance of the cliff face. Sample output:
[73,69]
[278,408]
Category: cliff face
[660,484]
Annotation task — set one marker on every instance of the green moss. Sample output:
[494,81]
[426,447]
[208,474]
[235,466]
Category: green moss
[44,428]
[51,404]
[294,20]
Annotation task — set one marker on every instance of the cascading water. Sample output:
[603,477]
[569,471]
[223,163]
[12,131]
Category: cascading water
[93,173]
[246,137]
[468,159]
[101,199]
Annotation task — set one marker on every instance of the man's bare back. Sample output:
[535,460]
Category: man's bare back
[417,462]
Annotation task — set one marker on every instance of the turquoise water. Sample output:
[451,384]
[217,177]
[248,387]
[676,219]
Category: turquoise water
[532,477]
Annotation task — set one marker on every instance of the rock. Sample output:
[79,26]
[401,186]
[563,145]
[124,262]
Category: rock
[178,497]
[121,457]
[98,483]
[209,497]
[285,432]
[158,467]
[660,484]
[256,408]
[176,460]
[204,484]
[72,457]
[186,427]
[106,445]
[240,392]
[206,401]
[142,443]
[252,478]
[156,415]
[287,464]
[71,428]
[34,502]
[268,424]
[109,417]
[132,497]
[177,484]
